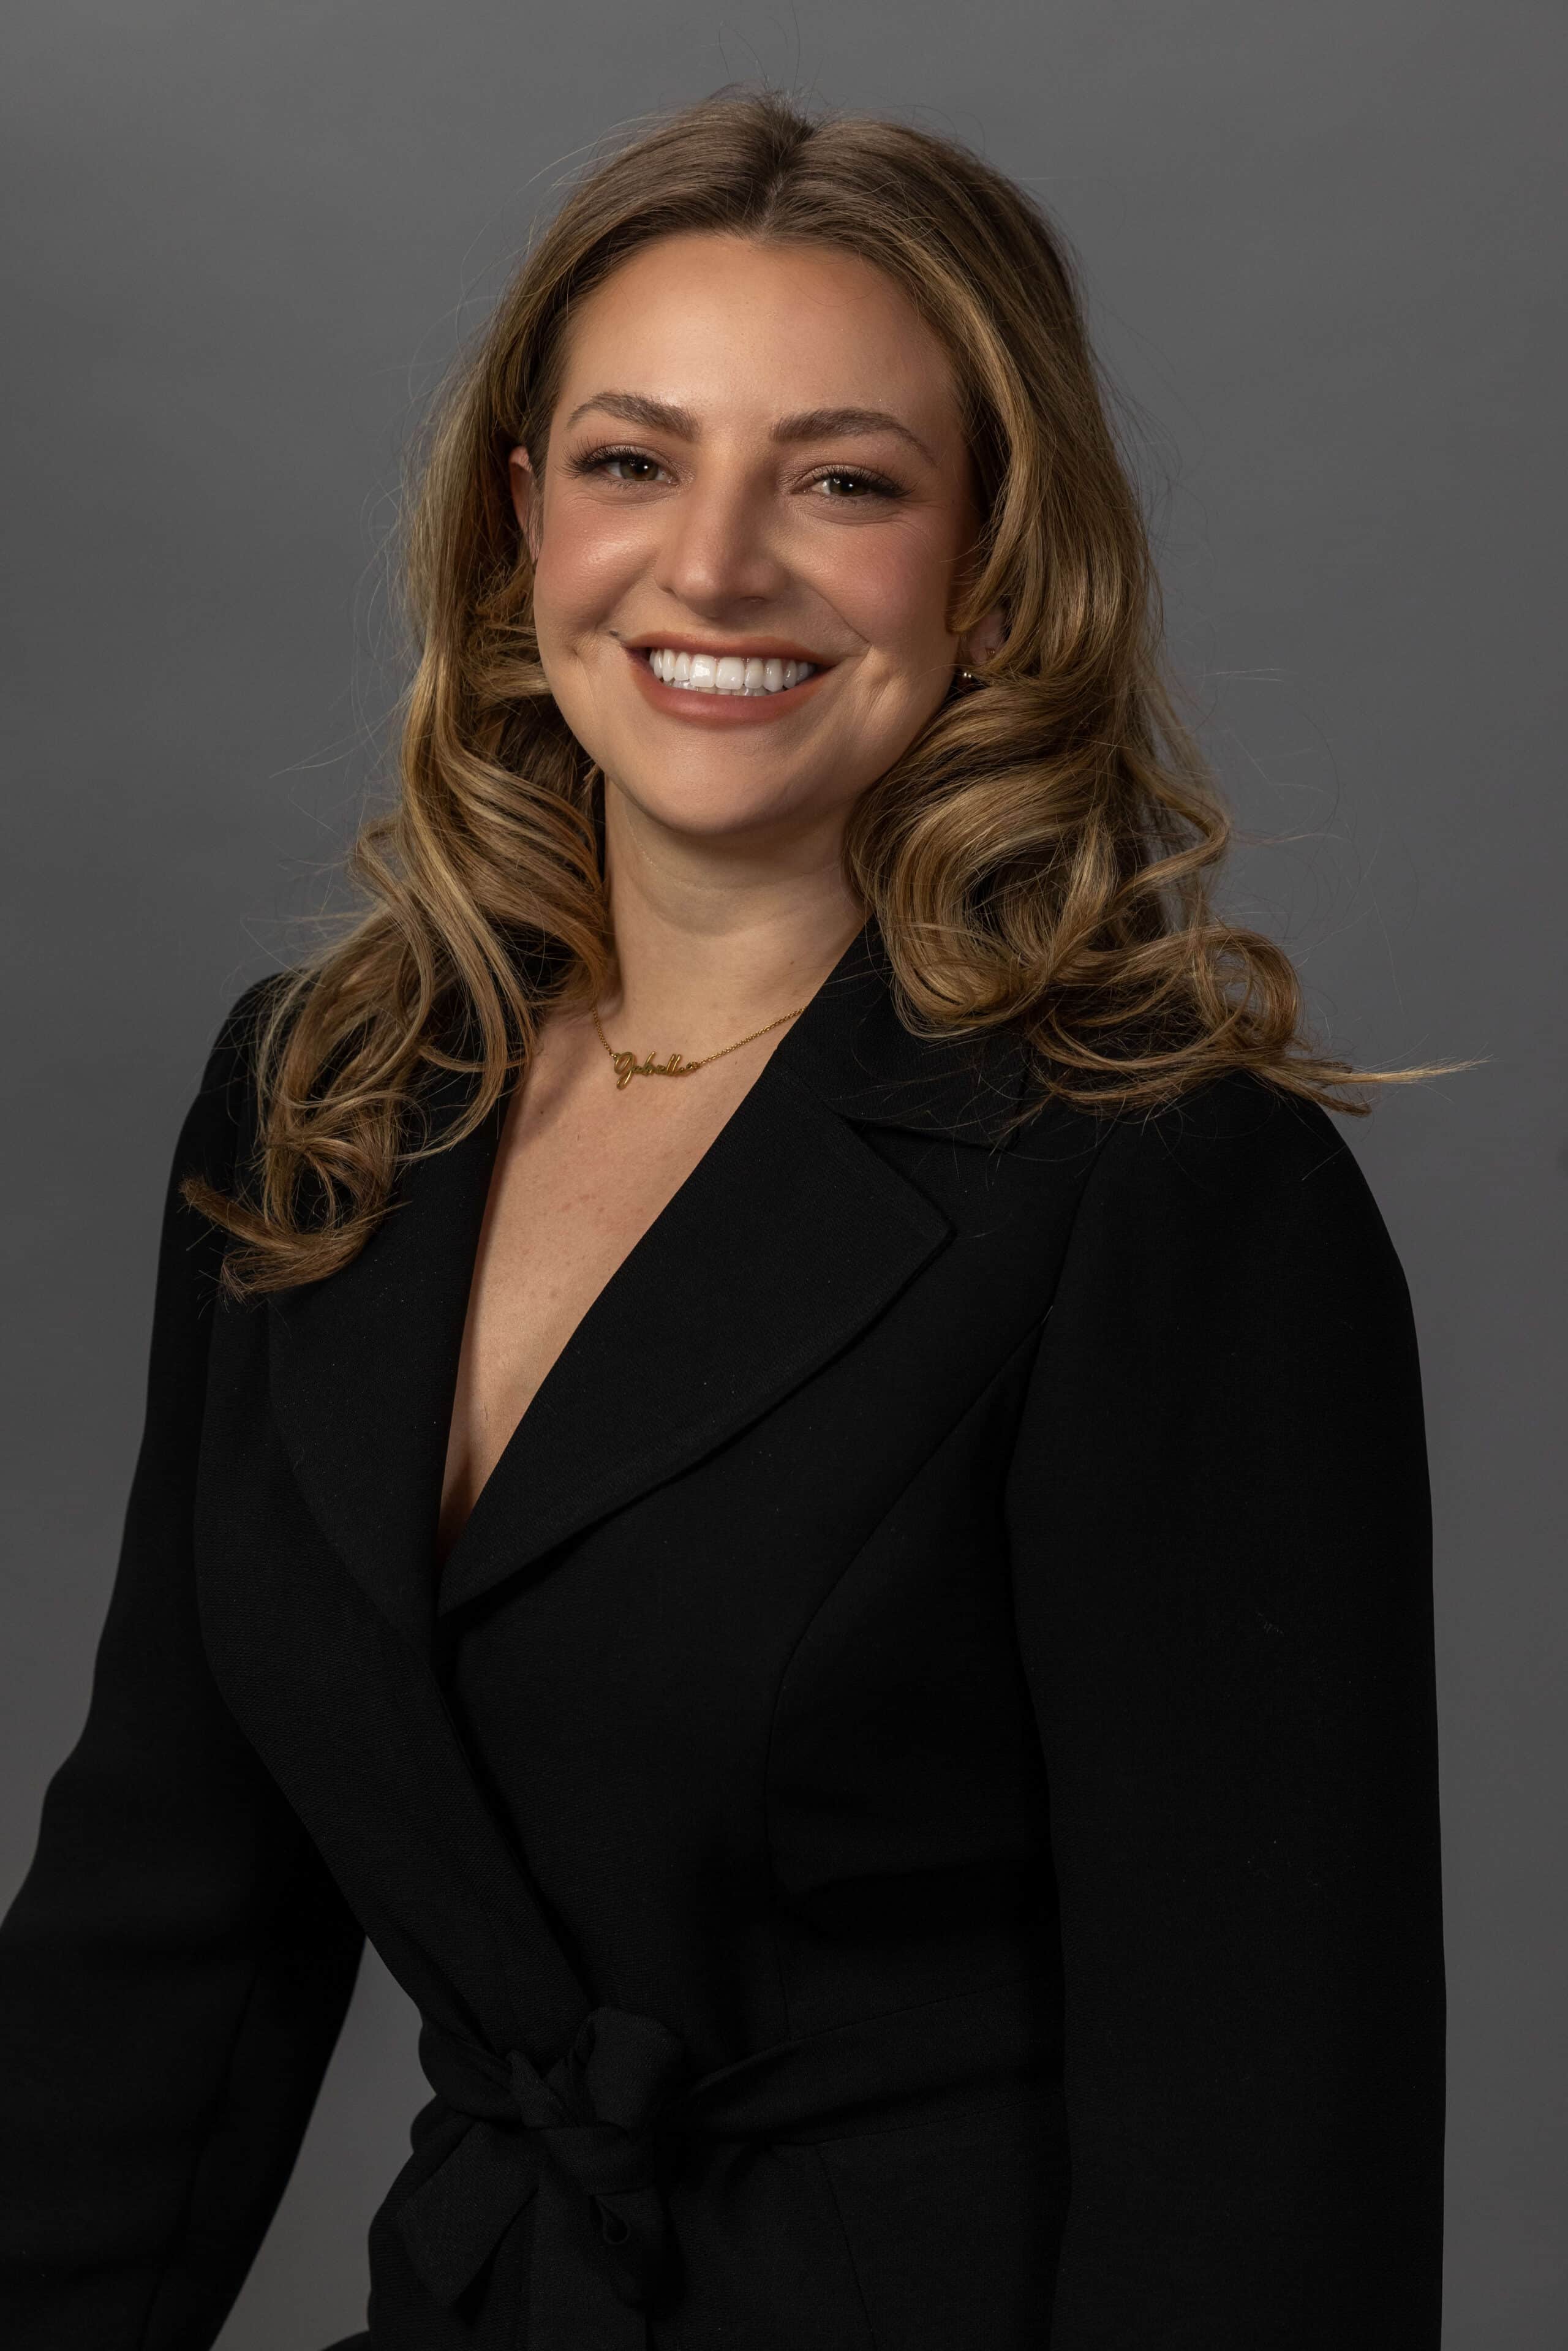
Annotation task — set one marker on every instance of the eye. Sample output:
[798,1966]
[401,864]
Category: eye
[596,461]
[861,484]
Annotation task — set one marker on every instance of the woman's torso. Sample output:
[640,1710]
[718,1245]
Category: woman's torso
[723,1664]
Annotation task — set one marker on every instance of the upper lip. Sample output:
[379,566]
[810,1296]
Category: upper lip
[747,648]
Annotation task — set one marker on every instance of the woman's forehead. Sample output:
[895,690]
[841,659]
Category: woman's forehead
[719,326]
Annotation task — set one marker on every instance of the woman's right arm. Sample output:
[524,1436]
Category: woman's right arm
[175,1968]
[1223,1575]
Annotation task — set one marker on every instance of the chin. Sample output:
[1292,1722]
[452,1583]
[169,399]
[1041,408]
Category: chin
[704,811]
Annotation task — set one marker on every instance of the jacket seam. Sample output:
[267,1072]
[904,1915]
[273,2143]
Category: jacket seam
[1102,1145]
[1030,1338]
[827,2178]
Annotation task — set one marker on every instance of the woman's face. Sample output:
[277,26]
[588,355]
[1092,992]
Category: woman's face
[756,455]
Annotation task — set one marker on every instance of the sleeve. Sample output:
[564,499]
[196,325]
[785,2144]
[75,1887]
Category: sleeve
[1220,1535]
[175,1968]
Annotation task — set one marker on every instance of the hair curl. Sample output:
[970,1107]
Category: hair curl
[1041,855]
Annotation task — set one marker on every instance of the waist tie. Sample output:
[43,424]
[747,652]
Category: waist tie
[587,2141]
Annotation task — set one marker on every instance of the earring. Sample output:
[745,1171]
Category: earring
[969,677]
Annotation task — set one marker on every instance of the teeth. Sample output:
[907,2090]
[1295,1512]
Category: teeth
[727,673]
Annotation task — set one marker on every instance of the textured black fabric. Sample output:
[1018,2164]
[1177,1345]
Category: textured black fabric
[909,1814]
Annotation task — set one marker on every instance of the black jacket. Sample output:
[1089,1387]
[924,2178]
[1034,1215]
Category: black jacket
[909,1814]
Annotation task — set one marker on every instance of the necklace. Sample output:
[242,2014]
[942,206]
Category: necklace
[627,1065]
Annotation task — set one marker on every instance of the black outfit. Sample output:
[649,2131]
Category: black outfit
[909,1812]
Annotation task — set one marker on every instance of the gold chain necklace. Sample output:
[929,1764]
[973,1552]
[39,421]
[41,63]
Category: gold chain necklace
[627,1065]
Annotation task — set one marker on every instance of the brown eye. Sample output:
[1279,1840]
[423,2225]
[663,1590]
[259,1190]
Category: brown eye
[861,485]
[598,461]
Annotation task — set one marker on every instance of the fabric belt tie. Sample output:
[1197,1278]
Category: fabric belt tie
[586,2142]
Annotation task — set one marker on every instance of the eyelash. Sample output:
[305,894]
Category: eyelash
[874,485]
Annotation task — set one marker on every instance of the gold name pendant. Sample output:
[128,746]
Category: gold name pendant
[627,1067]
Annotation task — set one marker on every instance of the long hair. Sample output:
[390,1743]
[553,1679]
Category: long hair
[1041,852]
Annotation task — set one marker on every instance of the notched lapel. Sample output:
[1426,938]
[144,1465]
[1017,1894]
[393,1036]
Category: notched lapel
[853,1051]
[788,1238]
[361,1371]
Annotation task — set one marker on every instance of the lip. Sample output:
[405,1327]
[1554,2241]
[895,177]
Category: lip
[719,709]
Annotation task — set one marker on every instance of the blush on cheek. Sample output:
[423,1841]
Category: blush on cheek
[892,587]
[591,565]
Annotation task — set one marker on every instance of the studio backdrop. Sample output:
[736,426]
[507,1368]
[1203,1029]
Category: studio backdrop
[1324,255]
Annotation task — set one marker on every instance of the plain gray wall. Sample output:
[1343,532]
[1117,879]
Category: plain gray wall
[1323,249]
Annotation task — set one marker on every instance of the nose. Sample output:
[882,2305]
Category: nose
[719,548]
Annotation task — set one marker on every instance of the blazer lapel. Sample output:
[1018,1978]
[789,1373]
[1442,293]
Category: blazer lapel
[363,1369]
[785,1241]
[788,1238]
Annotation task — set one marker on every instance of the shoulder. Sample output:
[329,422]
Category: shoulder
[220,1125]
[233,1051]
[1236,1181]
[1234,1138]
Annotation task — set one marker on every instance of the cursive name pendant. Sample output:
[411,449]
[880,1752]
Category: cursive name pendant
[627,1066]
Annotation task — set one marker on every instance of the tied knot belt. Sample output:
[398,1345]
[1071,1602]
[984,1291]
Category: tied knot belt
[587,2141]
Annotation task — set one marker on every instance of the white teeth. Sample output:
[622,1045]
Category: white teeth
[727,673]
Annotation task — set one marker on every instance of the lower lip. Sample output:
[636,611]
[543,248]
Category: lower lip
[700,709]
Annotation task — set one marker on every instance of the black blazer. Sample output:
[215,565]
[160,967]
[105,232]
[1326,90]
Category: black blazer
[909,1814]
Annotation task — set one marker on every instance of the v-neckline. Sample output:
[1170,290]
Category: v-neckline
[615,1280]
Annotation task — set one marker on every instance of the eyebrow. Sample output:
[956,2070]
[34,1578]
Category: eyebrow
[809,424]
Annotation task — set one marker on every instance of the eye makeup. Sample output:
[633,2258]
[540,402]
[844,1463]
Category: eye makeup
[867,485]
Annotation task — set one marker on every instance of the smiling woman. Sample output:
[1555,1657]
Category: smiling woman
[853,1620]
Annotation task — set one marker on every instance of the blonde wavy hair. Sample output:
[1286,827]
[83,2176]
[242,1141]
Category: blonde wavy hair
[1040,855]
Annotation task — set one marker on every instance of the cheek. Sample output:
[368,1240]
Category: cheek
[586,561]
[890,587]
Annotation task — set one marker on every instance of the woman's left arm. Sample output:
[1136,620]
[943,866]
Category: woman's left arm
[1221,1542]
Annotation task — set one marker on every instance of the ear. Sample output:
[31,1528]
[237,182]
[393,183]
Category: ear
[978,644]
[525,498]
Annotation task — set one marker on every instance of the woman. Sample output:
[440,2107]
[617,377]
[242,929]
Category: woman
[783,1451]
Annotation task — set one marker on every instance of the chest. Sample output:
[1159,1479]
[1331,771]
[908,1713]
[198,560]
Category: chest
[733,1613]
[583,1171]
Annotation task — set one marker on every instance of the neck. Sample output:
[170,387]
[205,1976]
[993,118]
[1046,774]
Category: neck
[711,940]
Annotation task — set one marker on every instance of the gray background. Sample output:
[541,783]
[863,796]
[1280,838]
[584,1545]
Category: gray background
[1323,251]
